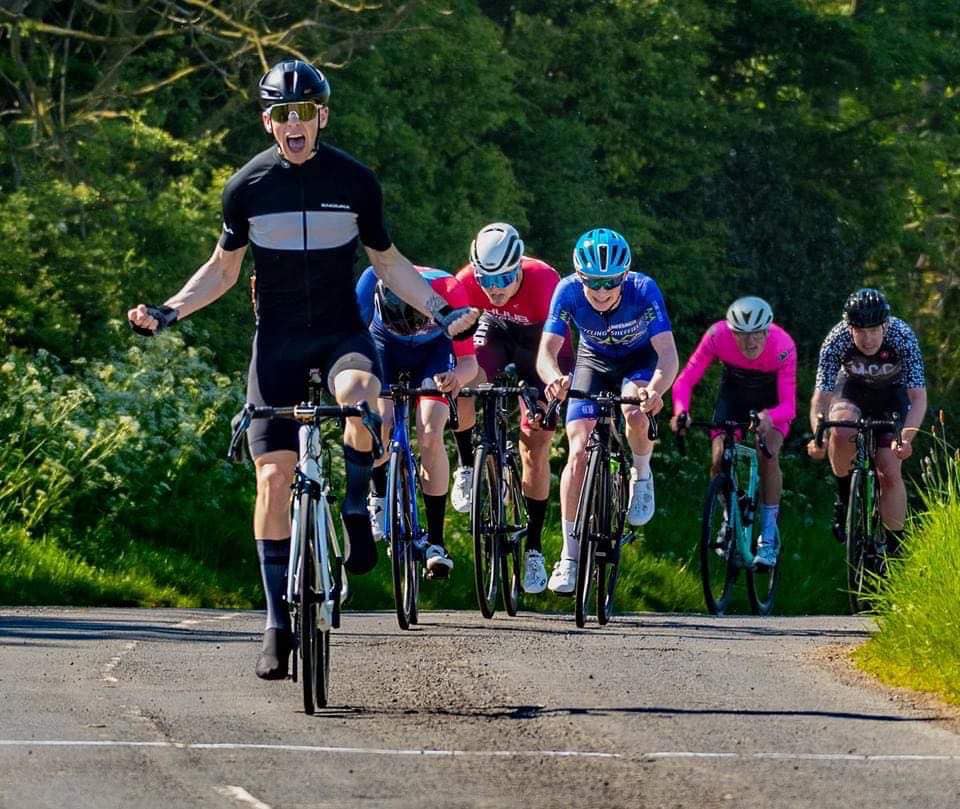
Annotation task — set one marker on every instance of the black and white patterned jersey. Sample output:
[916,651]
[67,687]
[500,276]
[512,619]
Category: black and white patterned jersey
[898,361]
[304,223]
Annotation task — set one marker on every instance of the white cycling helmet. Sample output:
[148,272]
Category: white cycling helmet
[496,250]
[749,314]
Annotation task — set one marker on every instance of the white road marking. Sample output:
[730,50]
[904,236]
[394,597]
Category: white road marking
[113,662]
[431,753]
[240,794]
[187,623]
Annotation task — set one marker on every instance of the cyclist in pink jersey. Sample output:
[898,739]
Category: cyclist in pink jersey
[513,291]
[759,362]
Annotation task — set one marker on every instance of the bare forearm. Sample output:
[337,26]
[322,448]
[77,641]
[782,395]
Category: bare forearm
[399,274]
[207,284]
[918,409]
[548,366]
[668,364]
[819,403]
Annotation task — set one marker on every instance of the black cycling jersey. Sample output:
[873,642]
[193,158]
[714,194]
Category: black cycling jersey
[304,223]
[898,362]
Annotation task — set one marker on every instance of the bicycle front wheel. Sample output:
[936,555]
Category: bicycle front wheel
[718,553]
[608,567]
[592,525]
[510,545]
[859,569]
[485,524]
[403,556]
[314,644]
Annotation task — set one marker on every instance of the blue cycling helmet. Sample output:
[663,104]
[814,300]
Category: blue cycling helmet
[601,253]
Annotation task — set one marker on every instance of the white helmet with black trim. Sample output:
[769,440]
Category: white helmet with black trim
[750,314]
[496,250]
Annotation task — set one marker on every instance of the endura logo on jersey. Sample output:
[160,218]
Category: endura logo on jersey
[339,206]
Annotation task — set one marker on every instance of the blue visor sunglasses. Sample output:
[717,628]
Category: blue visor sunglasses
[596,284]
[496,281]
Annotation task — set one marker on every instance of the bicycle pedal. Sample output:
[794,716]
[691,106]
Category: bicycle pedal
[438,575]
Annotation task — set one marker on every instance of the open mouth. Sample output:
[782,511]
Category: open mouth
[296,143]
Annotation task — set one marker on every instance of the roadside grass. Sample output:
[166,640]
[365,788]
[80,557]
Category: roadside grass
[918,607]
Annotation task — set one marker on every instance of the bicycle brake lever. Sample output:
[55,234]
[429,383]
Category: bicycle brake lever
[373,423]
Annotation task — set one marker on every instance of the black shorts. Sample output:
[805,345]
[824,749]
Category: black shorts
[736,400]
[278,377]
[498,344]
[873,403]
[595,373]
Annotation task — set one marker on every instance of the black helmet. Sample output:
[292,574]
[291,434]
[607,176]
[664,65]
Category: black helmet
[866,308]
[397,315]
[293,80]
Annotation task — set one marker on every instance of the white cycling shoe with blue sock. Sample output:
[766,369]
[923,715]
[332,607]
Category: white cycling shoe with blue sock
[768,548]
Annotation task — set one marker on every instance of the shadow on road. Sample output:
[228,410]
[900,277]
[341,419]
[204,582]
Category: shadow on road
[540,712]
[13,630]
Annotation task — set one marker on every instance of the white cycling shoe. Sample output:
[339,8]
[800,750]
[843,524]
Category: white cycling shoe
[768,550]
[642,503]
[461,493]
[377,506]
[563,580]
[534,573]
[439,563]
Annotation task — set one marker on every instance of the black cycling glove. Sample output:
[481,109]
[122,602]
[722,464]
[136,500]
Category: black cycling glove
[165,316]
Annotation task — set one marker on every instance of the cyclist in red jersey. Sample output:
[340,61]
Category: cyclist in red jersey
[514,292]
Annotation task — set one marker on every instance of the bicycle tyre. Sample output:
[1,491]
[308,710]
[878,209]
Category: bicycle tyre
[515,512]
[762,584]
[306,604]
[403,561]
[856,544]
[718,555]
[608,571]
[590,525]
[485,517]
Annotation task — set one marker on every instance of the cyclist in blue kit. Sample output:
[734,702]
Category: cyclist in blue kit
[626,346]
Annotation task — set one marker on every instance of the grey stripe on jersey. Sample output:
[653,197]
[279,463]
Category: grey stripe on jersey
[284,231]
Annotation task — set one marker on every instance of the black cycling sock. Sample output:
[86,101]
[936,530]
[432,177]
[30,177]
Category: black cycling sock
[536,514]
[436,506]
[363,550]
[379,479]
[464,440]
[843,488]
[274,555]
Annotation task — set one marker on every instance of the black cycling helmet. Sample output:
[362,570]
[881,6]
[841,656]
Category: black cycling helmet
[397,315]
[293,80]
[866,308]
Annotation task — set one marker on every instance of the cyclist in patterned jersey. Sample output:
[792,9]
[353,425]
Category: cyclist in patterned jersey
[513,291]
[759,362]
[626,346]
[407,342]
[304,206]
[870,365]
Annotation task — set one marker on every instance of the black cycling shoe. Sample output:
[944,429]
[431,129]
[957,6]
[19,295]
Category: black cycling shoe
[840,520]
[273,662]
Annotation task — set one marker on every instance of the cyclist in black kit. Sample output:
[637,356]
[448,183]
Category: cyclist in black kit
[303,206]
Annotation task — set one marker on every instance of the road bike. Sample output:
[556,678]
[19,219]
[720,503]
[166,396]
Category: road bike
[729,533]
[866,537]
[315,581]
[498,512]
[408,541]
[600,525]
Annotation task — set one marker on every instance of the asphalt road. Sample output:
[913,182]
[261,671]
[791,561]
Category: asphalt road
[160,708]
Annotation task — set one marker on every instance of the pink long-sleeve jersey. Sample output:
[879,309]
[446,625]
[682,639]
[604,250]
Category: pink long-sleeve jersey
[779,358]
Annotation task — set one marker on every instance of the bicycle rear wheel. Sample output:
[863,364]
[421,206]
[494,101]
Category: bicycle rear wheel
[718,554]
[592,527]
[403,556]
[515,512]
[762,583]
[485,516]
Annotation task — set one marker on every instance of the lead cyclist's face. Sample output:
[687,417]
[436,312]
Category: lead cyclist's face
[603,300]
[296,138]
[869,340]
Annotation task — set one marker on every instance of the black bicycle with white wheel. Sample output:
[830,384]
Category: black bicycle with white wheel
[315,581]
[600,525]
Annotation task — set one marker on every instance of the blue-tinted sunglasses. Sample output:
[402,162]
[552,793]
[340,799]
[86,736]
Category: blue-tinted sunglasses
[596,284]
[496,281]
